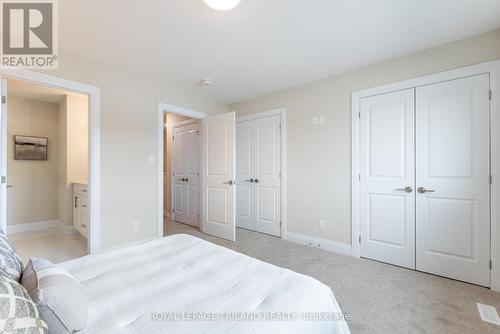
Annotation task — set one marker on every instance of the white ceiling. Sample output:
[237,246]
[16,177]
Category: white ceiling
[36,92]
[262,45]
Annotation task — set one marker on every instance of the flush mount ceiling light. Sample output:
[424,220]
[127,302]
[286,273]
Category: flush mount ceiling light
[222,4]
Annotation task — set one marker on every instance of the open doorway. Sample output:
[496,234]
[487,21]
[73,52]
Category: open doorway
[47,153]
[202,191]
[181,171]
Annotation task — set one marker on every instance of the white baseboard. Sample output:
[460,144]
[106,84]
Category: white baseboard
[29,227]
[38,226]
[307,240]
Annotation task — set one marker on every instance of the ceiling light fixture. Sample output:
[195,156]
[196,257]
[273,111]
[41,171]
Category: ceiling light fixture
[206,82]
[222,4]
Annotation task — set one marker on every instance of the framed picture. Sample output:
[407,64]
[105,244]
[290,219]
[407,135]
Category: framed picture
[30,148]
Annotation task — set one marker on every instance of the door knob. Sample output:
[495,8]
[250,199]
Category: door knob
[186,180]
[422,190]
[230,182]
[407,189]
[256,181]
[251,180]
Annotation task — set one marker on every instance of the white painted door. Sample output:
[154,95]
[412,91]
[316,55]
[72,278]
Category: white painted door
[387,178]
[219,174]
[453,205]
[186,166]
[3,156]
[267,180]
[245,166]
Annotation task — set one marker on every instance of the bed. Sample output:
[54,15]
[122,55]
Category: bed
[182,284]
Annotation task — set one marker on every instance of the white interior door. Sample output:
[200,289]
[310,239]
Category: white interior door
[453,205]
[179,175]
[387,178]
[186,166]
[245,161]
[3,156]
[267,179]
[219,169]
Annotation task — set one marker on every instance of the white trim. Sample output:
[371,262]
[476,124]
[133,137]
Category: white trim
[281,112]
[130,244]
[35,226]
[93,92]
[331,246]
[163,108]
[493,68]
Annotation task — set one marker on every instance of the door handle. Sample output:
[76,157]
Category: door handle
[230,182]
[407,189]
[186,180]
[422,190]
[183,179]
[256,181]
[251,180]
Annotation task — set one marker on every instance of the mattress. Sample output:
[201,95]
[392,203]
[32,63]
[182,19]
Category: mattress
[183,284]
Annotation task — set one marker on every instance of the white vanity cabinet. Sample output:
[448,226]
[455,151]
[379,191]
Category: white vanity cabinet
[80,208]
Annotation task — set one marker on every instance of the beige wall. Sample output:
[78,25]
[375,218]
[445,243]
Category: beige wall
[33,197]
[318,157]
[169,119]
[129,107]
[73,151]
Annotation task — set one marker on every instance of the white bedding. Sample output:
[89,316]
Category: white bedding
[170,278]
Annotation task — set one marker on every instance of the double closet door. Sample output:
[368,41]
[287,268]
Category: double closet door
[186,174]
[258,175]
[425,178]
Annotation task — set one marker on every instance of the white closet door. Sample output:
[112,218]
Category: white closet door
[192,172]
[387,178]
[179,175]
[245,161]
[3,158]
[186,169]
[267,181]
[219,173]
[453,225]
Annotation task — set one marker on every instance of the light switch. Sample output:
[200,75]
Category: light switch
[315,120]
[322,119]
[322,223]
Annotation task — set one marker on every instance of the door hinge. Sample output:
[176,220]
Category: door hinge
[280,224]
[279,127]
[491,265]
[359,115]
[490,94]
[491,179]
[359,177]
[198,216]
[279,175]
[4,99]
[4,179]
[173,138]
[359,239]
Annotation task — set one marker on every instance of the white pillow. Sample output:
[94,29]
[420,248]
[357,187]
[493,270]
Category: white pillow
[58,296]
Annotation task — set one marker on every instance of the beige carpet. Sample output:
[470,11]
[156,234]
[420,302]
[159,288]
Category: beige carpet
[380,298]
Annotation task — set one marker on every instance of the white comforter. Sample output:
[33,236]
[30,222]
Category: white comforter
[167,285]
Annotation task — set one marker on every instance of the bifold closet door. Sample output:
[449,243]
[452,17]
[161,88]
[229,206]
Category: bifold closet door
[387,178]
[186,167]
[452,175]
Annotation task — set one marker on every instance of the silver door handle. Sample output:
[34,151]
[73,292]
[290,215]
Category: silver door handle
[230,182]
[422,190]
[407,189]
[251,180]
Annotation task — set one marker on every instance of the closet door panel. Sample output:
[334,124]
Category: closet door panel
[453,207]
[267,175]
[387,178]
[244,173]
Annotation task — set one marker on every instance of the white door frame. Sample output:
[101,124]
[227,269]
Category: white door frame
[493,68]
[281,112]
[162,109]
[172,178]
[93,92]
